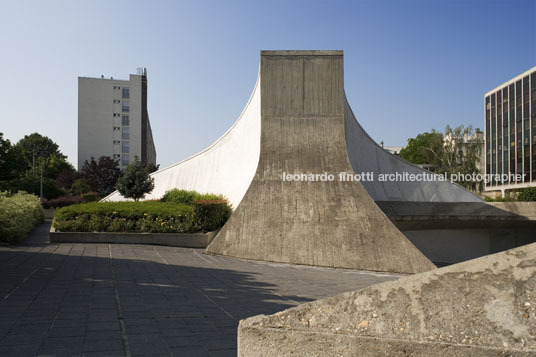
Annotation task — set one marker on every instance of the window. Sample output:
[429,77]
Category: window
[117,114]
[117,156]
[126,93]
[116,128]
[126,133]
[125,147]
[116,87]
[125,159]
[125,120]
[117,101]
[116,142]
[126,106]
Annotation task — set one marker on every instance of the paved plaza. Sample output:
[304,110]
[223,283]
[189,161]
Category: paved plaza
[134,300]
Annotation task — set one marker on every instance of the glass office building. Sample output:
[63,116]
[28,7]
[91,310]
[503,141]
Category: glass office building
[510,133]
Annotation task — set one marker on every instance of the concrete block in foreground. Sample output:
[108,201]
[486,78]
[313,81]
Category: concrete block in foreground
[482,307]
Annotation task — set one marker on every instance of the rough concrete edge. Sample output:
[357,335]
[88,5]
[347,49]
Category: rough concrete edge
[255,323]
[364,345]
[520,208]
[202,240]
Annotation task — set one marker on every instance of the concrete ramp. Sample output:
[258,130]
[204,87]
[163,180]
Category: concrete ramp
[321,222]
[483,307]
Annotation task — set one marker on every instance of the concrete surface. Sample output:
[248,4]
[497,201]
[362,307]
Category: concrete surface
[454,215]
[185,240]
[367,156]
[482,307]
[457,245]
[450,232]
[226,167]
[524,209]
[321,223]
[141,300]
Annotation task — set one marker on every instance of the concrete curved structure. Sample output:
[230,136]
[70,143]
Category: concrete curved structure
[325,223]
[298,121]
[226,167]
[367,156]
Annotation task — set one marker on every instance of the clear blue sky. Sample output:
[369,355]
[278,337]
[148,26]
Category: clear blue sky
[409,65]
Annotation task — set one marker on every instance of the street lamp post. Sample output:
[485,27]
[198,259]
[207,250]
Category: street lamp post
[42,153]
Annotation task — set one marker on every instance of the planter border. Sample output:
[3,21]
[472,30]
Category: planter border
[184,240]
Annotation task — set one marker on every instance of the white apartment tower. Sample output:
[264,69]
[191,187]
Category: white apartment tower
[113,119]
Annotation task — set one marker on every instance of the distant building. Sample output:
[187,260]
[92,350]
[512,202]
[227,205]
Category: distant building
[113,119]
[395,150]
[510,134]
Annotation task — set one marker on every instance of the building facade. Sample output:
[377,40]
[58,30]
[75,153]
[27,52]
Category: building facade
[510,134]
[113,120]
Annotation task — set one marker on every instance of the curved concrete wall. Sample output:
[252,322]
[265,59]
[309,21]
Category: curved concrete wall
[330,223]
[227,167]
[367,156]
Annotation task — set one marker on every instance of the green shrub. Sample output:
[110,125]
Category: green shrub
[19,213]
[80,187]
[527,194]
[210,215]
[188,197]
[32,185]
[89,196]
[498,199]
[139,217]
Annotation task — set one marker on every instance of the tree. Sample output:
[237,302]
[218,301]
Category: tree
[101,175]
[424,149]
[152,167]
[136,182]
[80,187]
[461,154]
[56,164]
[455,152]
[66,178]
[36,147]
[12,164]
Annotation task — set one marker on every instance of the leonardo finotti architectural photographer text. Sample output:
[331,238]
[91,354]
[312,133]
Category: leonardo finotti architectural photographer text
[400,177]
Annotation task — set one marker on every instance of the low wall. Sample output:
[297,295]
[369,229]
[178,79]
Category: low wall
[458,245]
[480,308]
[452,232]
[185,240]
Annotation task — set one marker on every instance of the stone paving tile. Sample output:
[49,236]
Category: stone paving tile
[73,299]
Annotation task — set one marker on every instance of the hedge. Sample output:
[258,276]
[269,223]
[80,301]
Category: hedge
[210,215]
[139,217]
[527,194]
[188,197]
[19,213]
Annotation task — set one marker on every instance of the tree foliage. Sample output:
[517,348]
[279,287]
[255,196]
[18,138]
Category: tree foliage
[457,151]
[136,182]
[101,175]
[527,194]
[80,186]
[36,147]
[12,163]
[152,167]
[20,166]
[425,148]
